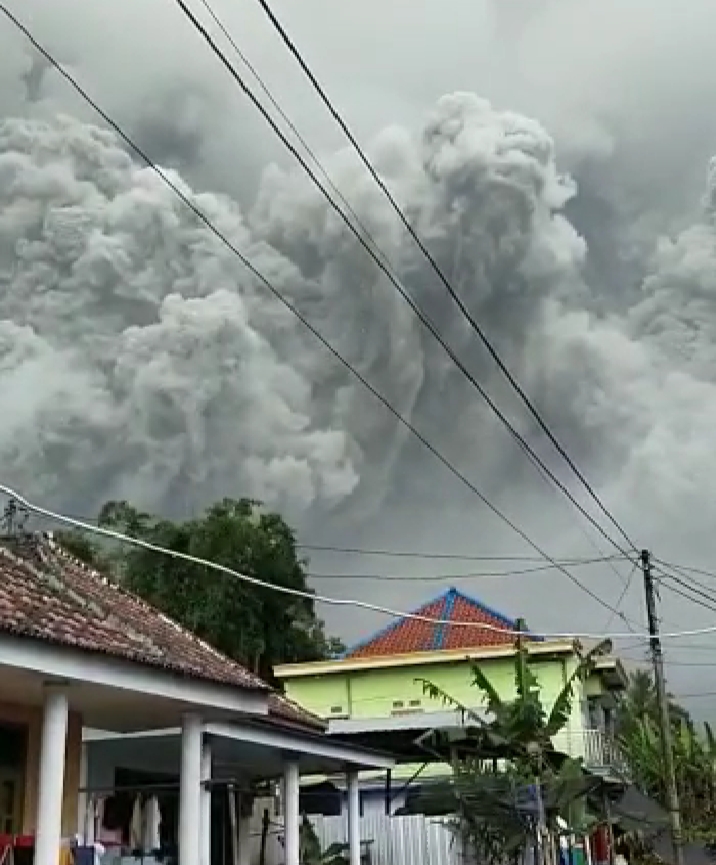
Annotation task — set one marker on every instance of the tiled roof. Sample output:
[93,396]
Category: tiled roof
[405,636]
[46,594]
[281,707]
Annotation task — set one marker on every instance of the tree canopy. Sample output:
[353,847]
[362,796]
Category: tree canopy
[258,627]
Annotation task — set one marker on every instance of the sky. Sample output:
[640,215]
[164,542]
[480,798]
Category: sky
[556,159]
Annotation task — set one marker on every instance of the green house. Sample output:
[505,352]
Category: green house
[373,692]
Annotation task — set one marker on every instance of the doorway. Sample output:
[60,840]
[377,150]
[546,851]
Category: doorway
[13,758]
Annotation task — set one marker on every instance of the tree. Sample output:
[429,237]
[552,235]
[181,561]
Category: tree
[493,807]
[522,728]
[256,626]
[694,756]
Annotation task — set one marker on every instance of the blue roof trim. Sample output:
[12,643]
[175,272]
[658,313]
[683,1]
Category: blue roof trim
[496,614]
[396,623]
[441,629]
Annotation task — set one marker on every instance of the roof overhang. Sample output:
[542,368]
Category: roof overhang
[115,694]
[444,656]
[244,751]
[317,745]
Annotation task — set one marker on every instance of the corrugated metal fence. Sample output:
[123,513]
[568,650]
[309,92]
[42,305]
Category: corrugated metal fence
[408,840]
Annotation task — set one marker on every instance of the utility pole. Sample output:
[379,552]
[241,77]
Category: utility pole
[657,657]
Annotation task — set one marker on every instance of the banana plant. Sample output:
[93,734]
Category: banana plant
[310,852]
[522,727]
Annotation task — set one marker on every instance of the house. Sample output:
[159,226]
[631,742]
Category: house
[374,692]
[76,650]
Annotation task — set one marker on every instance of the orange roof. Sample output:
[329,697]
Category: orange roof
[406,636]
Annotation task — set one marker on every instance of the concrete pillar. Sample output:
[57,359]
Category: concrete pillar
[353,789]
[244,854]
[51,777]
[205,822]
[190,804]
[291,815]
[85,823]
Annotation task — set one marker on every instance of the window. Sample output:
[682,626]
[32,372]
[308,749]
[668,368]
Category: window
[414,704]
[398,704]
[336,710]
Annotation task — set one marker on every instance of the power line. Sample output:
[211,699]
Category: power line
[445,577]
[690,583]
[284,116]
[691,570]
[312,596]
[410,554]
[288,305]
[288,42]
[620,600]
[688,597]
[422,317]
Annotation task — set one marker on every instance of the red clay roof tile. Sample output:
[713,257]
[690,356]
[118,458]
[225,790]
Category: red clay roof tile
[46,594]
[406,636]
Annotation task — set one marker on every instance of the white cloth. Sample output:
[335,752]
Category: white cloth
[135,827]
[152,819]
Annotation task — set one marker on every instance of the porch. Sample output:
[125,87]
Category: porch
[76,650]
[235,762]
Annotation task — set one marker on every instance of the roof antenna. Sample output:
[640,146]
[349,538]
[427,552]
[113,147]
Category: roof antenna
[14,518]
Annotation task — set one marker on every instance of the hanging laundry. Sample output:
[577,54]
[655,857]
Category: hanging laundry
[136,826]
[152,820]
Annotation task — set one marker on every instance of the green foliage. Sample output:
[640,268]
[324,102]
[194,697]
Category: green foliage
[694,756]
[256,626]
[521,729]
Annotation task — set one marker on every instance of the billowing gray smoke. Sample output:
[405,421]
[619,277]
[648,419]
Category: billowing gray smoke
[140,359]
[155,366]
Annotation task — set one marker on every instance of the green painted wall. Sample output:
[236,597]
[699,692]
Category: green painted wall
[372,693]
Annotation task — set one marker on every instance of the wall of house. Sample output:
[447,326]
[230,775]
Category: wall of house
[30,717]
[380,693]
[383,692]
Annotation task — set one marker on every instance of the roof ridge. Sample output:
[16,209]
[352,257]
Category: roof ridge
[484,607]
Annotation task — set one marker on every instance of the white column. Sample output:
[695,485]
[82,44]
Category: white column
[244,855]
[190,804]
[52,774]
[353,789]
[206,802]
[83,802]
[291,811]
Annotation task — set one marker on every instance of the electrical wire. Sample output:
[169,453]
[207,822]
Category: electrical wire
[691,570]
[445,577]
[291,125]
[409,554]
[691,597]
[284,116]
[294,311]
[425,321]
[277,294]
[620,600]
[492,351]
[690,583]
[312,596]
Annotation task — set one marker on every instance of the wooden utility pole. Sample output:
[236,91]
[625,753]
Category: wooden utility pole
[657,657]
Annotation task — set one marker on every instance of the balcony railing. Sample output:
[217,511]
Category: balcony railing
[597,748]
